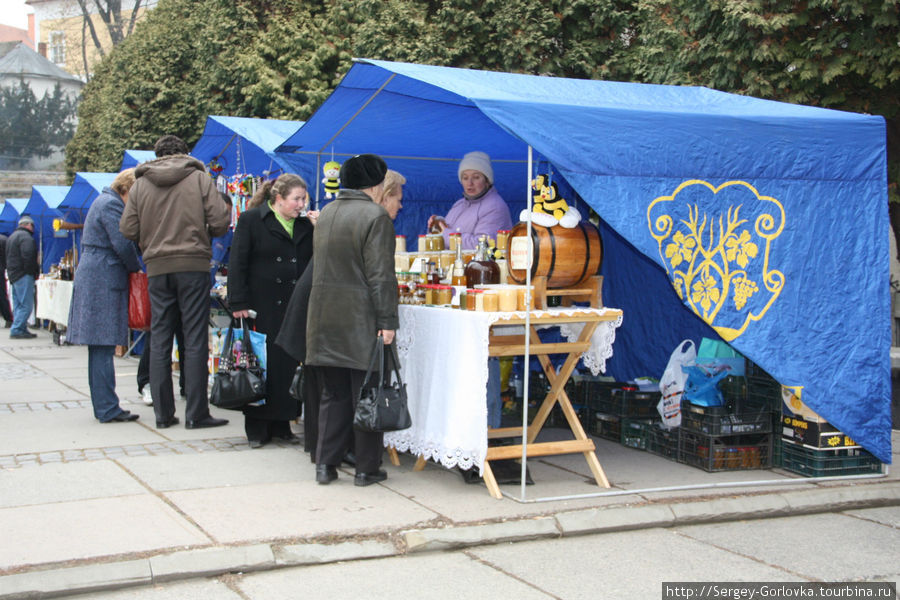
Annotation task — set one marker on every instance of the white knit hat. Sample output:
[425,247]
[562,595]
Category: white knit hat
[477,161]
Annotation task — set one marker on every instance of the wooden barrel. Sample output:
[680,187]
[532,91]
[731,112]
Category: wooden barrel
[565,256]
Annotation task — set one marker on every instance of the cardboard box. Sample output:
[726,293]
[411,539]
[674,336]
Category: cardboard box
[803,426]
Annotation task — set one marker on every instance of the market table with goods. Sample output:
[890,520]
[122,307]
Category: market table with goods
[447,397]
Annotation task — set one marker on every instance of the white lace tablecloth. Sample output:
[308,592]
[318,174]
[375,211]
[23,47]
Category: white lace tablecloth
[53,298]
[444,355]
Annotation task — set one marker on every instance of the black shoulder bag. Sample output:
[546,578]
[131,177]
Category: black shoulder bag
[382,405]
[235,385]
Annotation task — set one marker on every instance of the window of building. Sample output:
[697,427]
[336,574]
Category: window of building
[57,47]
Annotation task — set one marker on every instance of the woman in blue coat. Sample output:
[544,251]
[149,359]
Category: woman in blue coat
[98,315]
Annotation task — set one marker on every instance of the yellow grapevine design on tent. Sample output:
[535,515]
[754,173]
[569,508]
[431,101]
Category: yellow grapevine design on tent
[719,263]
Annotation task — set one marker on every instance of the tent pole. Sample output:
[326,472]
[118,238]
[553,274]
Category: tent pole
[225,148]
[527,367]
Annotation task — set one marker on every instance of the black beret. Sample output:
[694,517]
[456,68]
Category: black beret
[363,171]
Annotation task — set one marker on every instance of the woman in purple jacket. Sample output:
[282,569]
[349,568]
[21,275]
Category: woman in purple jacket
[481,210]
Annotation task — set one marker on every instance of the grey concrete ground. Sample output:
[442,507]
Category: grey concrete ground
[154,513]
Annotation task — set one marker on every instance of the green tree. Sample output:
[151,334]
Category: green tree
[32,127]
[843,55]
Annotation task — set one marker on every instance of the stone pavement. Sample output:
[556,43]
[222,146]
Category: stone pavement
[86,506]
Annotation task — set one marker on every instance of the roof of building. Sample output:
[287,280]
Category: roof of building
[15,34]
[22,60]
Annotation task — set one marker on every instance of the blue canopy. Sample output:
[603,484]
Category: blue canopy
[9,216]
[85,189]
[242,145]
[132,158]
[42,207]
[722,214]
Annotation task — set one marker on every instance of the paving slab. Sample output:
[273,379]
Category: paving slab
[37,389]
[220,469]
[298,509]
[201,589]
[65,482]
[444,576]
[858,546]
[603,566]
[75,428]
[51,583]
[92,528]
[889,515]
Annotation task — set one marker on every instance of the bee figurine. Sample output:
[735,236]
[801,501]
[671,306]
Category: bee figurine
[332,171]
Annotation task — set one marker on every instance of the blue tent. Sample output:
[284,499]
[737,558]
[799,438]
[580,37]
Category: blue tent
[9,216]
[722,214]
[42,207]
[85,188]
[132,158]
[242,145]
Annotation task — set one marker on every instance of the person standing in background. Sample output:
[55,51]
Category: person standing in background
[98,314]
[353,302]
[173,212]
[5,310]
[22,268]
[271,247]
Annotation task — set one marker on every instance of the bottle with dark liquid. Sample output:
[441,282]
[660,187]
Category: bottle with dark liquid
[482,270]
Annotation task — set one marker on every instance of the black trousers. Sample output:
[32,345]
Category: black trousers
[337,399]
[180,297]
[143,372]
[5,309]
[312,386]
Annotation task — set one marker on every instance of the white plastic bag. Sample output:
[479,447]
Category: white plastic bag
[671,384]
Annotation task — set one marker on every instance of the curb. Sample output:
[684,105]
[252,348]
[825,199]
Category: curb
[208,562]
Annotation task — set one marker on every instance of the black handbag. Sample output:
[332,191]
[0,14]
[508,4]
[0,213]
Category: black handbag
[296,389]
[382,405]
[235,385]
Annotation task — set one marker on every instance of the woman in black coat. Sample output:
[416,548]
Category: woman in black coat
[271,247]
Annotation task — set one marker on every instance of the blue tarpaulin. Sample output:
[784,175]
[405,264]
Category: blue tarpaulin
[242,145]
[84,190]
[9,216]
[42,207]
[132,158]
[722,214]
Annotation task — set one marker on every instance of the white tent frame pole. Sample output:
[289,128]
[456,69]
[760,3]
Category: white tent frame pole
[527,366]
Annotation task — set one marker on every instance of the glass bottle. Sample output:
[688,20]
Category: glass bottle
[459,268]
[482,270]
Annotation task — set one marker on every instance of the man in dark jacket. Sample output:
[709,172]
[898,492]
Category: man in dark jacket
[5,310]
[173,211]
[353,300]
[22,268]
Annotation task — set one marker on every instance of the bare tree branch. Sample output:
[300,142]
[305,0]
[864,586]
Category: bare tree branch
[87,17]
[134,13]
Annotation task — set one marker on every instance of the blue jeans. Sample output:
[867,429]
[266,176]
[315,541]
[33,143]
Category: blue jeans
[102,380]
[23,303]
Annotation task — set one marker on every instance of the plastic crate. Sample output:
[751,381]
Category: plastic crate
[823,463]
[597,394]
[630,402]
[725,453]
[609,427]
[720,420]
[663,442]
[635,433]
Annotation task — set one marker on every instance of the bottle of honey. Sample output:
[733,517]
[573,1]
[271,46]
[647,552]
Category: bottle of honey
[482,269]
[459,269]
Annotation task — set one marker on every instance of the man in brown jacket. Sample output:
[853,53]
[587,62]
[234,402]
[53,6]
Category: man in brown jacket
[173,211]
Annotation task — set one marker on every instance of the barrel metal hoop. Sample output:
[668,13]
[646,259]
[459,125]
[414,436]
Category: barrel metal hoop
[587,252]
[552,250]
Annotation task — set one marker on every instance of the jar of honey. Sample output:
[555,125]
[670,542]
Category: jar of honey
[444,295]
[502,240]
[423,243]
[508,298]
[491,301]
[470,299]
[400,243]
[479,300]
[455,241]
[520,299]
